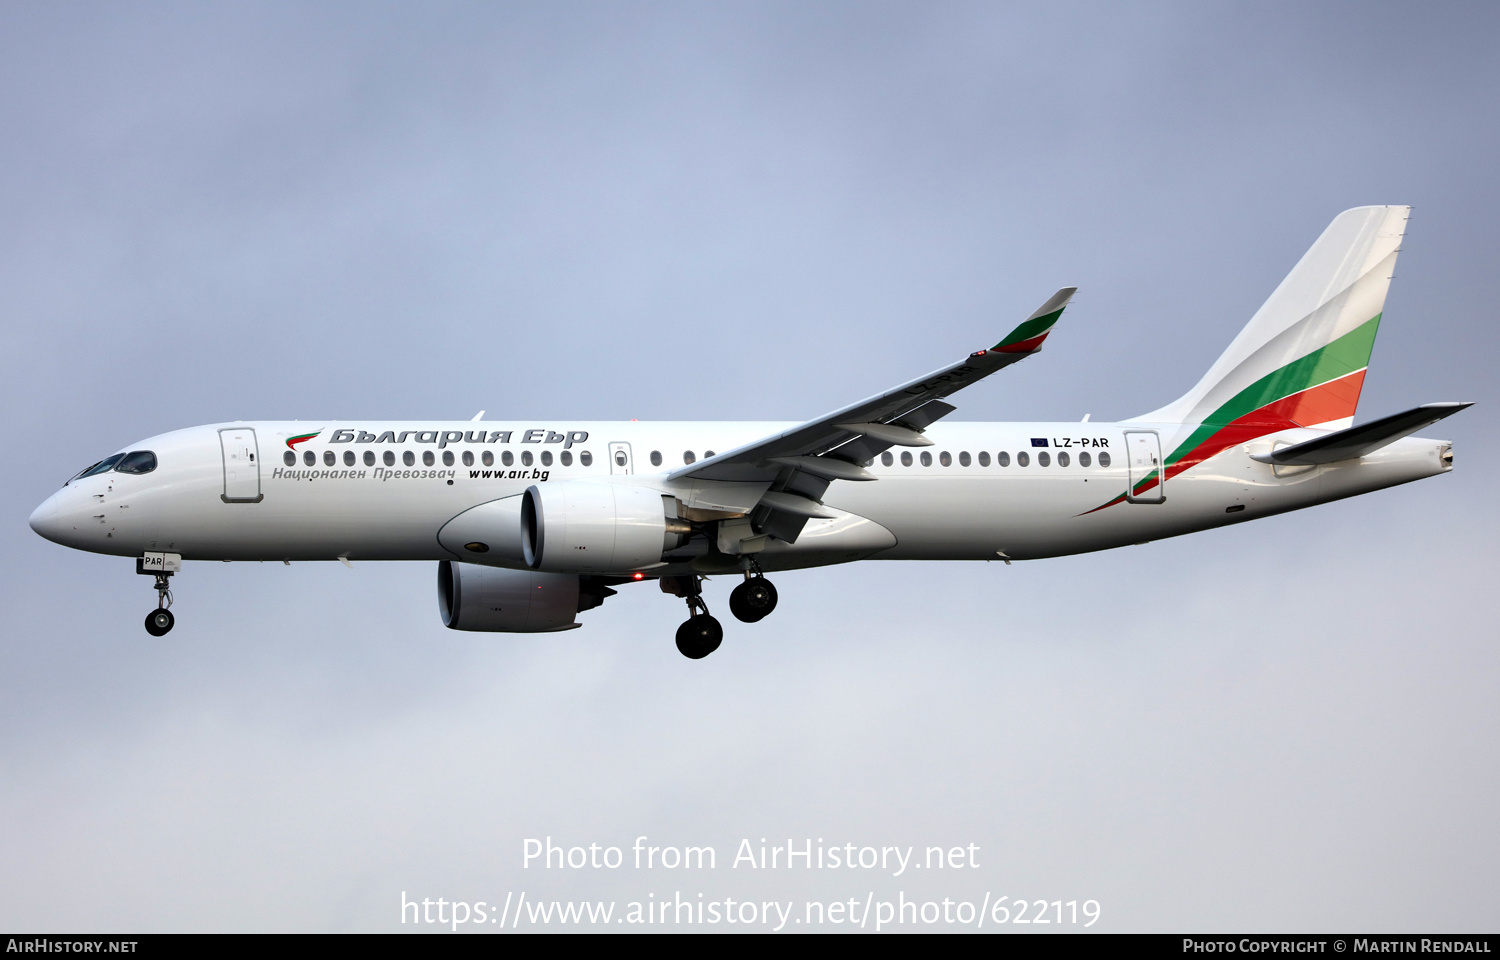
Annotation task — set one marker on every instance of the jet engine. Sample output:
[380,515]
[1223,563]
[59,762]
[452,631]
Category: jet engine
[496,600]
[489,534]
[590,527]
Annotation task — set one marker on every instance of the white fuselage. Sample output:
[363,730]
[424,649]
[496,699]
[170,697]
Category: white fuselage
[205,504]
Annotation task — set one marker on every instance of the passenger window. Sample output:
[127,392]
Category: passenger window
[963,459]
[525,458]
[656,458]
[1083,459]
[369,458]
[289,458]
[1062,459]
[348,458]
[487,458]
[507,458]
[945,458]
[586,459]
[984,458]
[1044,459]
[329,458]
[1103,459]
[390,458]
[707,454]
[926,459]
[906,458]
[428,459]
[409,458]
[447,458]
[468,458]
[1002,458]
[1023,459]
[137,462]
[566,457]
[309,458]
[887,459]
[687,456]
[546,458]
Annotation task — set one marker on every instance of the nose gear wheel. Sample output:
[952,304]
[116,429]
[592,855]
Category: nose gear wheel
[158,622]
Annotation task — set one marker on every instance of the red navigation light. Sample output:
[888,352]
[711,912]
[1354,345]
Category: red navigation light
[978,353]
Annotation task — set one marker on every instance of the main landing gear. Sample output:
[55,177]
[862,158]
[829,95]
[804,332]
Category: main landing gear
[702,633]
[754,599]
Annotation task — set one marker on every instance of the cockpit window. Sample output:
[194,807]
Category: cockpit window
[103,466]
[137,462]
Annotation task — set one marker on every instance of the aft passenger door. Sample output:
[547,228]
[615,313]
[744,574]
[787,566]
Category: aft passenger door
[241,466]
[1147,479]
[619,458]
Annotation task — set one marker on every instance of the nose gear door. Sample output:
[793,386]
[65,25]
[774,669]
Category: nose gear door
[619,458]
[241,466]
[1147,476]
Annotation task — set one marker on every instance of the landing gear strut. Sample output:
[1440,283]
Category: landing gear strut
[701,633]
[754,599]
[160,620]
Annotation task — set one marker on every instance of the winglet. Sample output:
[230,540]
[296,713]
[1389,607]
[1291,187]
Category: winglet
[1030,334]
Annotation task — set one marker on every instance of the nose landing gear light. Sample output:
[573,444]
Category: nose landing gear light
[752,600]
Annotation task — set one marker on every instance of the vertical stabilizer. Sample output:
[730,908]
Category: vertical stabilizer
[1301,360]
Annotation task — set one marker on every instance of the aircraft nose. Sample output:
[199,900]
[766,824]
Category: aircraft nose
[46,519]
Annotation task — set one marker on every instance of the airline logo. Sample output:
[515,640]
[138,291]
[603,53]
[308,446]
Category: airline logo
[291,442]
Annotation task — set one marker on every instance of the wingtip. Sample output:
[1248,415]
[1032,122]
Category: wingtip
[1054,303]
[1028,337]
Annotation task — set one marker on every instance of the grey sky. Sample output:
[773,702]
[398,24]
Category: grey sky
[697,211]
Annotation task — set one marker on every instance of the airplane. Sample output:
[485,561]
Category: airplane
[534,522]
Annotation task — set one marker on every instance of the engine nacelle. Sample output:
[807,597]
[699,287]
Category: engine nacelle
[596,527]
[489,533]
[493,599]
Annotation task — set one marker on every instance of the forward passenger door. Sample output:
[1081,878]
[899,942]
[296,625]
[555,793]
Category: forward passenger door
[241,466]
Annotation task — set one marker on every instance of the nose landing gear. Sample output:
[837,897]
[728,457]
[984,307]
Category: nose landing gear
[160,621]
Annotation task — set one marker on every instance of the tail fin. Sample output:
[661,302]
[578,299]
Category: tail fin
[1301,359]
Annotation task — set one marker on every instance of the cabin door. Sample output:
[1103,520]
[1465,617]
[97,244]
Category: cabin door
[241,466]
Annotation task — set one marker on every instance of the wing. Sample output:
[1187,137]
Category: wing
[802,461]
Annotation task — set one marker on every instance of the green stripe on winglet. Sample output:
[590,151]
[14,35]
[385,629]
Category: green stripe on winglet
[1029,329]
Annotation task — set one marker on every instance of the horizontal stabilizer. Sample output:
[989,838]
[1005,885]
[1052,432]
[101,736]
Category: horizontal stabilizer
[1357,441]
